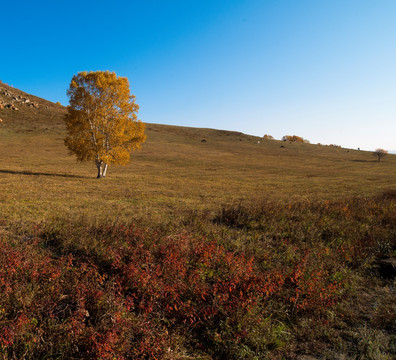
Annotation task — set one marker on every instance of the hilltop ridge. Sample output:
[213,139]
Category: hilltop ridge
[23,112]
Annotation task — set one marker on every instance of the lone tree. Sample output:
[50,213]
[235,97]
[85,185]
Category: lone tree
[102,122]
[295,138]
[268,137]
[380,153]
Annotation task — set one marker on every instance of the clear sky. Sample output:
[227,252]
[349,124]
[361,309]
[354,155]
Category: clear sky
[323,70]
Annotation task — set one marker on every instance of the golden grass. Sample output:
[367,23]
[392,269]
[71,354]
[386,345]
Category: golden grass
[176,171]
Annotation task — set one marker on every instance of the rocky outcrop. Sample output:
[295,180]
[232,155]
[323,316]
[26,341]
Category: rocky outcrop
[9,100]
[8,106]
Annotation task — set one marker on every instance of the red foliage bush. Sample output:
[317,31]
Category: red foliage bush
[49,306]
[311,284]
[130,296]
[72,308]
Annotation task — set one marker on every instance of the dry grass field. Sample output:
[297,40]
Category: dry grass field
[284,204]
[175,170]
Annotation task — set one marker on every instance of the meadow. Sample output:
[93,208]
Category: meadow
[208,245]
[175,171]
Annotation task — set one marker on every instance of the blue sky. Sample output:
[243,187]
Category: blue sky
[324,70]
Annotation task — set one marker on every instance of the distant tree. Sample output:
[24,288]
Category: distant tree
[380,153]
[295,138]
[102,122]
[268,137]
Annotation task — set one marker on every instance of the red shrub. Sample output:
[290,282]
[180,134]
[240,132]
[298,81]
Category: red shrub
[139,290]
[310,283]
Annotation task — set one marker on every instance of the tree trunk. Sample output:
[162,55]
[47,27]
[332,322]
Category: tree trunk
[104,170]
[99,166]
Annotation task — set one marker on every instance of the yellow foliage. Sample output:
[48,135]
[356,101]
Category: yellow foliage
[268,137]
[102,122]
[295,138]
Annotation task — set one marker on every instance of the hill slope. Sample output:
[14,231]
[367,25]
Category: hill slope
[23,112]
[208,245]
[177,168]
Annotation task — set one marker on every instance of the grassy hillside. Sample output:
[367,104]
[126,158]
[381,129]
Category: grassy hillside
[210,244]
[175,170]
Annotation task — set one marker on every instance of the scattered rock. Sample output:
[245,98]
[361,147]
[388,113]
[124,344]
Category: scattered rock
[16,98]
[9,106]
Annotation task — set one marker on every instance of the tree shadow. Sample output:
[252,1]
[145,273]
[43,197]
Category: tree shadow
[364,160]
[42,174]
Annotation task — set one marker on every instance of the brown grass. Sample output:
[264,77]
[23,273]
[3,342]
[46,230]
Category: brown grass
[175,171]
[274,204]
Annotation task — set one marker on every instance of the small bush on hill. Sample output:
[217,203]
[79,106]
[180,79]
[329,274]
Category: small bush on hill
[380,153]
[295,138]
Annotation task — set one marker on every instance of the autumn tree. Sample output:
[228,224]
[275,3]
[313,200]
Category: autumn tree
[295,138]
[102,124]
[380,153]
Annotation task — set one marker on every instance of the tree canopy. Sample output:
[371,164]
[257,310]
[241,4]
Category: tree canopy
[380,153]
[295,138]
[102,122]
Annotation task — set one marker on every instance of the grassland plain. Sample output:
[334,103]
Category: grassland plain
[314,218]
[176,171]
